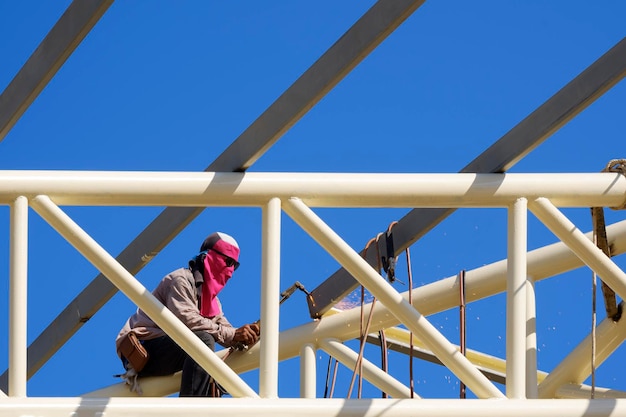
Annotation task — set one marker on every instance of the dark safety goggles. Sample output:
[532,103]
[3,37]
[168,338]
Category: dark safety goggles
[229,261]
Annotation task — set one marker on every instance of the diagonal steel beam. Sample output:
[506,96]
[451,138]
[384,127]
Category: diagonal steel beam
[563,106]
[365,35]
[68,32]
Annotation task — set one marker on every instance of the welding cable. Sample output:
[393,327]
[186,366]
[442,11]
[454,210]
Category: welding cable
[462,393]
[410,279]
[384,355]
[594,290]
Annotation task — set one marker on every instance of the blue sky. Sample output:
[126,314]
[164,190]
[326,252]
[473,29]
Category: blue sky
[167,86]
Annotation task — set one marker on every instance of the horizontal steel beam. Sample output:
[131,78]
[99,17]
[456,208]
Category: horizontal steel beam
[304,407]
[315,189]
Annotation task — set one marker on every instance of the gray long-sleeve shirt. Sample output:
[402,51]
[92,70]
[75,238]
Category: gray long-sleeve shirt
[178,291]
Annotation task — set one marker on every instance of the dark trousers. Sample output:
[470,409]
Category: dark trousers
[166,358]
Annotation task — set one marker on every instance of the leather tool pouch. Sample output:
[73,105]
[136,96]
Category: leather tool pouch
[134,352]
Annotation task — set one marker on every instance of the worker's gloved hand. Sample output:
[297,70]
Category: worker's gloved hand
[247,334]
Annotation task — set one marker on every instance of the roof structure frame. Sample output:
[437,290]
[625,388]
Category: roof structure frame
[363,37]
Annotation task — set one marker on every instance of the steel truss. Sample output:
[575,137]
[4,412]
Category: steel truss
[273,192]
[528,389]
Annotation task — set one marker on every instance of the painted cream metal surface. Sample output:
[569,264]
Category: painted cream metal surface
[375,407]
[430,196]
[18,296]
[314,189]
[516,301]
[328,334]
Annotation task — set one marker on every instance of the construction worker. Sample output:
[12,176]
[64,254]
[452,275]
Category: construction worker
[191,294]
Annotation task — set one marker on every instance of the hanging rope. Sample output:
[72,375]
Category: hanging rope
[619,166]
[462,394]
[601,241]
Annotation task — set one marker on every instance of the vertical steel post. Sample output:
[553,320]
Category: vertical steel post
[516,301]
[270,288]
[18,292]
[532,391]
[308,375]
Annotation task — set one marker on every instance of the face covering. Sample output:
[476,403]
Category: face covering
[216,275]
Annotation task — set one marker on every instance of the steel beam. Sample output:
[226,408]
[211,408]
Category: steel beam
[363,37]
[563,106]
[69,31]
[338,189]
[288,407]
[18,296]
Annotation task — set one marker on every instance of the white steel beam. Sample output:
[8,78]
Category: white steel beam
[516,301]
[143,298]
[584,392]
[120,188]
[391,299]
[493,367]
[270,286]
[586,250]
[18,297]
[371,372]
[532,373]
[308,374]
[289,407]
[576,366]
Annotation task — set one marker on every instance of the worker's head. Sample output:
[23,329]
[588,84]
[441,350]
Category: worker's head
[222,251]
[221,255]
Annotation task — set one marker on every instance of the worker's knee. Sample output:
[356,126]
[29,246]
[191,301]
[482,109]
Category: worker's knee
[206,338]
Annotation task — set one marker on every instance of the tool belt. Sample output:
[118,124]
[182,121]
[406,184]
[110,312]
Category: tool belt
[134,352]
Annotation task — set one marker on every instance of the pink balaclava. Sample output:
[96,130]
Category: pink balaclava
[216,272]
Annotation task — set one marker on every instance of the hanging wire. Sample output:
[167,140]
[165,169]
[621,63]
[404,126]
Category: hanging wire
[359,362]
[358,368]
[330,360]
[410,279]
[384,360]
[462,394]
[594,286]
[328,393]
